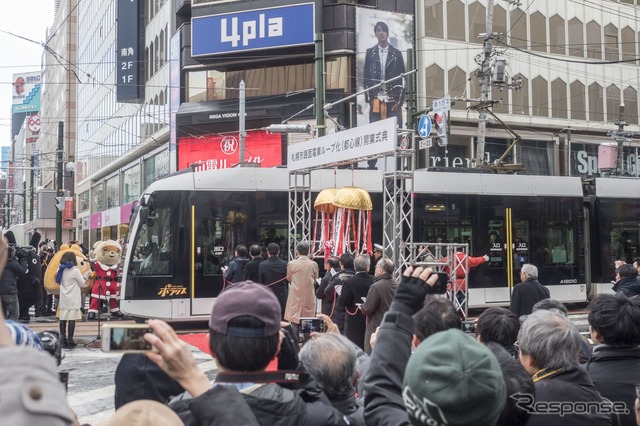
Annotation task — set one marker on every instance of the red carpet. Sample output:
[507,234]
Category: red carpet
[201,341]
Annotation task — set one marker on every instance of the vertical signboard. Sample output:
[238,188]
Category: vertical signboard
[67,213]
[128,52]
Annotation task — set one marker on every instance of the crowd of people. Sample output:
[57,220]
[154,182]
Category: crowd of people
[393,353]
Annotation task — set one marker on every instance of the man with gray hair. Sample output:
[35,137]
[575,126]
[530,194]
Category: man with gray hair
[354,293]
[379,298]
[527,293]
[564,393]
[331,359]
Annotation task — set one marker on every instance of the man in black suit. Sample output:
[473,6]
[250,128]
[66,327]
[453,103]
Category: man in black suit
[383,62]
[354,293]
[251,270]
[528,292]
[273,273]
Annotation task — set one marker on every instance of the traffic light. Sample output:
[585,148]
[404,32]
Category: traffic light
[60,203]
[440,121]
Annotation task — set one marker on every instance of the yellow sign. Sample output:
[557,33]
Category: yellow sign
[172,290]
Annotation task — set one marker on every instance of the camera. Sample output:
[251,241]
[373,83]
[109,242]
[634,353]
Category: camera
[469,327]
[307,326]
[128,338]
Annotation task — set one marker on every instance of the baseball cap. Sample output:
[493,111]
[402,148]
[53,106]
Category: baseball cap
[246,298]
[144,412]
[452,379]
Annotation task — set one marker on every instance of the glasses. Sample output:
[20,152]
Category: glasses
[638,391]
[516,345]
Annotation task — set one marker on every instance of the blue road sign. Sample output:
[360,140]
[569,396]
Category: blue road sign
[424,126]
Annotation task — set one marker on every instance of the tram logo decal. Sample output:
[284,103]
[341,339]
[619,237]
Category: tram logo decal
[569,281]
[171,290]
[228,145]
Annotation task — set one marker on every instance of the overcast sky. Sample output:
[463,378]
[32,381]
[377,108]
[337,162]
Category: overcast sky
[25,18]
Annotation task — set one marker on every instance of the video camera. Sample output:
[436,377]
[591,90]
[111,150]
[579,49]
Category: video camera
[19,251]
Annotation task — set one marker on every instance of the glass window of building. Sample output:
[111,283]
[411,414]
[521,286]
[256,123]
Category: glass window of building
[576,38]
[631,105]
[500,23]
[434,19]
[112,186]
[594,41]
[613,103]
[500,94]
[538,32]
[557,42]
[540,97]
[578,101]
[536,156]
[558,98]
[474,86]
[337,72]
[435,81]
[596,107]
[84,201]
[628,43]
[131,184]
[518,29]
[477,22]
[457,86]
[97,198]
[611,49]
[455,20]
[520,98]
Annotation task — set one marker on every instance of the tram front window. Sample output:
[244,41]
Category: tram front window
[152,246]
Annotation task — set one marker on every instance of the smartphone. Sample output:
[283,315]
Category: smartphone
[125,338]
[469,327]
[307,326]
[440,286]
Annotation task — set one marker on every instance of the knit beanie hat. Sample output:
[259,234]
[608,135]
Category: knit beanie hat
[452,379]
[23,335]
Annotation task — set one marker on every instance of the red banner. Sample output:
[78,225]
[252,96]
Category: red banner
[67,213]
[223,151]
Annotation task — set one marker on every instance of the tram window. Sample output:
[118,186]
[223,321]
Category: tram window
[496,246]
[152,248]
[559,245]
[212,230]
[625,241]
[437,231]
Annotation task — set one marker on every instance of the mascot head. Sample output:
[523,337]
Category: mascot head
[108,253]
[83,265]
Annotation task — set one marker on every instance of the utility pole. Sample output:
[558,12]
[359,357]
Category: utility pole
[485,84]
[31,188]
[60,189]
[243,133]
[319,69]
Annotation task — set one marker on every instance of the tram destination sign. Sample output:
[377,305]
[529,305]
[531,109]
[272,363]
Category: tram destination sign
[375,138]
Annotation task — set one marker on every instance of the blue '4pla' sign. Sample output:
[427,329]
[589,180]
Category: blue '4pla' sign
[251,30]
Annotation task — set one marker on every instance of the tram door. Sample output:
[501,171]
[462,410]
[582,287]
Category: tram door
[214,233]
[508,249]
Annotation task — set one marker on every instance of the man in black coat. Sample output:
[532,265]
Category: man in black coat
[527,293]
[334,289]
[354,293]
[332,267]
[613,325]
[627,280]
[235,271]
[273,273]
[13,271]
[252,269]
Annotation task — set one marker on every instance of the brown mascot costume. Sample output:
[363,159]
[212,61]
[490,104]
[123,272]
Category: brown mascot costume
[106,285]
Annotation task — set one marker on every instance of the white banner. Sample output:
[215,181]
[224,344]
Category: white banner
[371,139]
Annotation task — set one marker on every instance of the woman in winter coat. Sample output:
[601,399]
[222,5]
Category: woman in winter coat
[70,280]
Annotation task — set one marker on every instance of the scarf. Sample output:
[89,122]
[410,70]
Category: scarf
[61,269]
